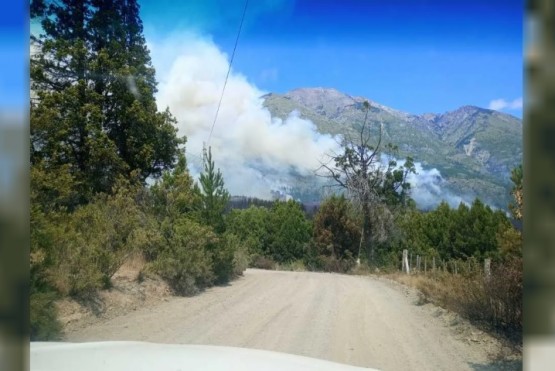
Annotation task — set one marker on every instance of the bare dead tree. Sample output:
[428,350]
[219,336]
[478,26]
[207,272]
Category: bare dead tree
[371,185]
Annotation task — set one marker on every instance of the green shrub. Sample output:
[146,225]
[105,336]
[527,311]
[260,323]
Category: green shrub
[43,317]
[74,253]
[240,260]
[251,225]
[185,262]
[78,270]
[289,232]
[222,258]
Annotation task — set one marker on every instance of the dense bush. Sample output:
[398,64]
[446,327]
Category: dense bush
[288,232]
[335,237]
[43,321]
[336,230]
[495,302]
[251,225]
[240,259]
[448,233]
[294,266]
[194,257]
[79,252]
[184,261]
[279,235]
[223,256]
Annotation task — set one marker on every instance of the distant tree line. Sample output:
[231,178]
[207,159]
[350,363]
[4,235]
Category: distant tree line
[244,202]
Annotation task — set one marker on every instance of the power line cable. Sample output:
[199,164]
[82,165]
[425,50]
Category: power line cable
[228,70]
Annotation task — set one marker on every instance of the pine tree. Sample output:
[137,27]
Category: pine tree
[93,109]
[214,195]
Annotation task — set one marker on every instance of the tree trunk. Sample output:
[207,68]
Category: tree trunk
[366,236]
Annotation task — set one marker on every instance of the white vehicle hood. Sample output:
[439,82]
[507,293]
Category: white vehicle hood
[139,356]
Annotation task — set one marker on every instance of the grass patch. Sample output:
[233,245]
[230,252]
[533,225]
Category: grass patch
[295,266]
[493,303]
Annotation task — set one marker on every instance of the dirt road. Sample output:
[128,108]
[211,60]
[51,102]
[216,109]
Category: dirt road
[356,320]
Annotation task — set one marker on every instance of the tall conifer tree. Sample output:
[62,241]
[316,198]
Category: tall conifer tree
[93,109]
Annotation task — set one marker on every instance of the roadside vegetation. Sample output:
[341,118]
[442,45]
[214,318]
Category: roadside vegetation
[460,283]
[109,180]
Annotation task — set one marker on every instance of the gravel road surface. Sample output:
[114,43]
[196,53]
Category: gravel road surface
[362,321]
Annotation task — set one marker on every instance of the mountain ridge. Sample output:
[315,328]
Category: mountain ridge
[474,148]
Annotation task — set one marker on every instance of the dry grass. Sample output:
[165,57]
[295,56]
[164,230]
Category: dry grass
[296,266]
[494,303]
[262,262]
[131,268]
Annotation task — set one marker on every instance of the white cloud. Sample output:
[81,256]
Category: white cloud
[255,151]
[501,104]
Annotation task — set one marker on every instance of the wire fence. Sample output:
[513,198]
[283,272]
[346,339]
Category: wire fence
[411,263]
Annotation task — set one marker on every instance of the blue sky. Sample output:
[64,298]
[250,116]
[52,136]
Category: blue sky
[416,56]
[14,56]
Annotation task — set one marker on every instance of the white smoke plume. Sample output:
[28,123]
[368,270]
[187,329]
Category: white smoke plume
[255,151]
[428,187]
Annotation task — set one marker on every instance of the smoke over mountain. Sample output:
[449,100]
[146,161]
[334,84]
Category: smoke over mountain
[256,153]
[428,189]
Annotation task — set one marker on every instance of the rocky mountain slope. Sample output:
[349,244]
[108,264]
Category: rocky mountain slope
[474,149]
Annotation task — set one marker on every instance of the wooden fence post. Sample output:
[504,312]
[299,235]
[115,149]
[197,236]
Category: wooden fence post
[487,268]
[417,263]
[415,266]
[434,264]
[406,267]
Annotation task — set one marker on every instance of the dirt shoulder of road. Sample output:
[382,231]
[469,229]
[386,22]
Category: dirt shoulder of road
[130,291]
[496,345]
